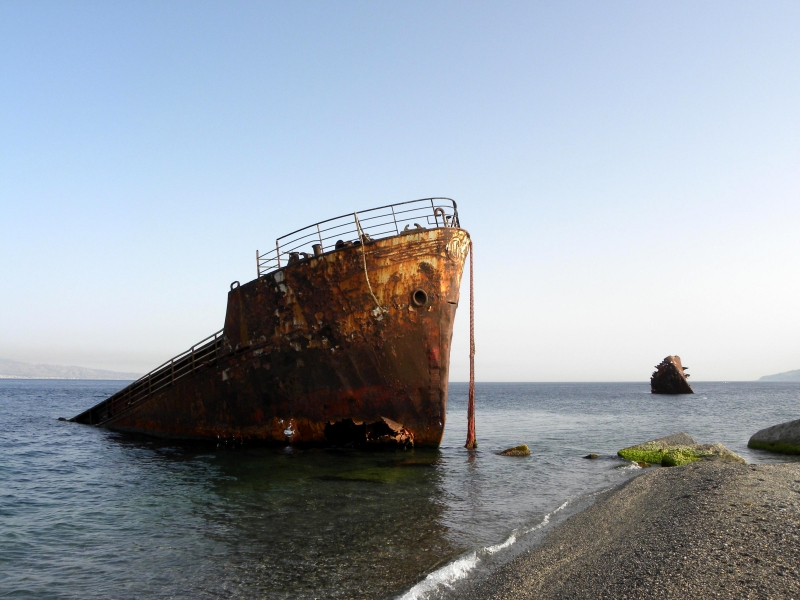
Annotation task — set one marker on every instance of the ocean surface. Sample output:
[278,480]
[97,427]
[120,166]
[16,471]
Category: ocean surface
[87,513]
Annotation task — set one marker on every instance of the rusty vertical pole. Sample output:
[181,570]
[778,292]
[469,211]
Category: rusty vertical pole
[471,441]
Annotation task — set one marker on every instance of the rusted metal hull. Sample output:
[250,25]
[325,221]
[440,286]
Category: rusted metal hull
[351,347]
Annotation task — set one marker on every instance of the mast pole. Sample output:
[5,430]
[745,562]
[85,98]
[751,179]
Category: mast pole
[471,441]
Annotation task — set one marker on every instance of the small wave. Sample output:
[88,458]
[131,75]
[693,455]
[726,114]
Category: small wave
[442,578]
[630,466]
[445,577]
[497,547]
[546,519]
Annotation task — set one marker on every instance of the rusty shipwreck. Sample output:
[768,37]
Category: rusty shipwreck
[342,338]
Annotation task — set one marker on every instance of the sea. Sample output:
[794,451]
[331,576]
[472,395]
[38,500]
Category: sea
[87,513]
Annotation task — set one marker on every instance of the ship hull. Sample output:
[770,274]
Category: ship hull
[350,347]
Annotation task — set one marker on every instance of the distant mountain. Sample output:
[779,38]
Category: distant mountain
[12,369]
[787,376]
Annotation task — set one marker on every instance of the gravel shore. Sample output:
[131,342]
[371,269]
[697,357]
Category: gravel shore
[711,529]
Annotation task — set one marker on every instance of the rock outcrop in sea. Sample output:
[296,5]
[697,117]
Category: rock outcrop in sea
[783,438]
[522,450]
[676,450]
[670,377]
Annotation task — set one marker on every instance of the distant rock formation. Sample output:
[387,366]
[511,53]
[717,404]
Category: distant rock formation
[783,438]
[785,376]
[676,450]
[669,377]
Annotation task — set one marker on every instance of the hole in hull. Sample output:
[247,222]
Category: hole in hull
[355,434]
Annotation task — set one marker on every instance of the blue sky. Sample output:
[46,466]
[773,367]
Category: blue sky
[629,172]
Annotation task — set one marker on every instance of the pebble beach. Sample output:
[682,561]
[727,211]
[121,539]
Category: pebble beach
[711,529]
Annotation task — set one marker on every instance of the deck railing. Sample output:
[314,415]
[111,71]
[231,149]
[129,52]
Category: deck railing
[375,223]
[204,353]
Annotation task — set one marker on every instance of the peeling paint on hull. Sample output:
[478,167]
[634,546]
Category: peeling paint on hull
[305,348]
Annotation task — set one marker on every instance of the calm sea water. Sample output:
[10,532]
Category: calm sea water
[86,513]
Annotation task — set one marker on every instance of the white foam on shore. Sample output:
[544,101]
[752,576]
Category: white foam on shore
[497,547]
[546,518]
[631,465]
[443,579]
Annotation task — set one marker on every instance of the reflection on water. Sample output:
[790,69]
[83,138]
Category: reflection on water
[86,513]
[90,513]
[302,521]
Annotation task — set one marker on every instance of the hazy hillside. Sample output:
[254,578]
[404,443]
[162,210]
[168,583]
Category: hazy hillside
[787,376]
[15,369]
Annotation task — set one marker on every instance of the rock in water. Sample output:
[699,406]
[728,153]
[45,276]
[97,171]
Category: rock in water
[522,450]
[676,450]
[669,377]
[783,438]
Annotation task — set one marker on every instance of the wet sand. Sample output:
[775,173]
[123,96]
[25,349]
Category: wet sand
[711,529]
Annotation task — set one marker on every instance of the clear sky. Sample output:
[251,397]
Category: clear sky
[629,171]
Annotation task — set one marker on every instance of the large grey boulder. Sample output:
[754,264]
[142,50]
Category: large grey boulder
[783,438]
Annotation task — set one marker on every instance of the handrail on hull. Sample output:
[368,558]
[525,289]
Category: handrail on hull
[375,223]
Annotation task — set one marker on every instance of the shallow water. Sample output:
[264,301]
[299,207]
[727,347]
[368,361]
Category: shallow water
[86,513]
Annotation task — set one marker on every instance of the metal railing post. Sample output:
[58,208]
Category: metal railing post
[278,253]
[394,218]
[258,265]
[319,234]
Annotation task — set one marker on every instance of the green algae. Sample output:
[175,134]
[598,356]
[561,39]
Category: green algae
[638,454]
[779,447]
[676,450]
[681,456]
[666,457]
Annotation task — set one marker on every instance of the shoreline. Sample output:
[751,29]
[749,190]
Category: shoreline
[711,529]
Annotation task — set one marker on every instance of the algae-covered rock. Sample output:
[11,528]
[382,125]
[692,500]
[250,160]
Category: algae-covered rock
[676,450]
[675,457]
[783,438]
[653,451]
[522,450]
[591,456]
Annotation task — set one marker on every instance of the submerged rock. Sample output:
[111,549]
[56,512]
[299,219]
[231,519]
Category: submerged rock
[522,450]
[670,377]
[675,450]
[591,456]
[783,438]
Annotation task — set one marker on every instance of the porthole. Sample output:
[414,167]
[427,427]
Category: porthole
[419,297]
